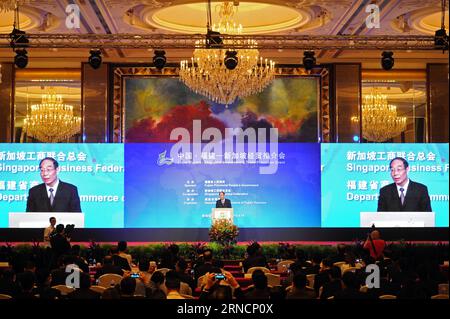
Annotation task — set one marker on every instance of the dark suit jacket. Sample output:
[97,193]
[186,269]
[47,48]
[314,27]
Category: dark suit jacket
[416,199]
[60,246]
[66,199]
[108,269]
[254,261]
[227,204]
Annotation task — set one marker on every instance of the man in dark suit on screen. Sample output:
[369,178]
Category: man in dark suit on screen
[404,194]
[223,202]
[53,195]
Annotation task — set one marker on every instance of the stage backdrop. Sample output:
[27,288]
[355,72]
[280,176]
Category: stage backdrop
[352,175]
[96,169]
[155,106]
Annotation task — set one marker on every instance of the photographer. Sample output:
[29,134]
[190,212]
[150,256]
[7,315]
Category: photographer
[375,245]
[59,242]
[221,286]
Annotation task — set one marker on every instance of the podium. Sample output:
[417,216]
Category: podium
[41,219]
[221,213]
[397,219]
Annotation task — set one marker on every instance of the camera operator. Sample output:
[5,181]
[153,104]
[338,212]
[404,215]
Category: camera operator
[59,242]
[375,245]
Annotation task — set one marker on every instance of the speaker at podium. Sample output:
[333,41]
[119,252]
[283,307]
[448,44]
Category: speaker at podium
[221,213]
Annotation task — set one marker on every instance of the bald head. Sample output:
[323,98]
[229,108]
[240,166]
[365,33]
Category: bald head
[375,234]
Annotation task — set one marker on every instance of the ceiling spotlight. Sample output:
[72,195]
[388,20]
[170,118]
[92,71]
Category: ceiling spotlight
[21,58]
[441,39]
[95,59]
[440,36]
[19,39]
[387,61]
[231,60]
[159,60]
[309,61]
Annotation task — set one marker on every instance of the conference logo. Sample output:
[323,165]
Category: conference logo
[257,146]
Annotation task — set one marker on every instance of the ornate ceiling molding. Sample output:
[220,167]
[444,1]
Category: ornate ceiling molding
[182,41]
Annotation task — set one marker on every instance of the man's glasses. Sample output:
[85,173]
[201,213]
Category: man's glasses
[397,170]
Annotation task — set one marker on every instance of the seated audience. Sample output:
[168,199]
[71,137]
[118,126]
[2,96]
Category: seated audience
[260,289]
[300,263]
[108,267]
[118,260]
[334,285]
[173,286]
[8,285]
[206,266]
[43,289]
[26,282]
[156,288]
[324,274]
[84,292]
[350,288]
[122,252]
[298,290]
[255,257]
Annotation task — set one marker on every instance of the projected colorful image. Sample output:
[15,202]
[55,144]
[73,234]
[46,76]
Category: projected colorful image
[155,106]
[352,175]
[97,171]
[177,189]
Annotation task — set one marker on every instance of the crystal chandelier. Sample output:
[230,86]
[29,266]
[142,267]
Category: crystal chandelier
[206,73]
[11,5]
[379,119]
[52,121]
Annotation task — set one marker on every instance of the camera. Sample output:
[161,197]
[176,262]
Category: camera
[219,276]
[134,275]
[69,230]
[19,39]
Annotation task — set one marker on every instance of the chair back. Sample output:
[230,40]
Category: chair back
[163,270]
[98,289]
[310,279]
[440,296]
[387,297]
[65,290]
[283,265]
[107,280]
[264,269]
[273,280]
[443,289]
[352,269]
[3,296]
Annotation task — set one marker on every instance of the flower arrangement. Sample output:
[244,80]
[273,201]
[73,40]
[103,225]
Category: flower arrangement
[224,232]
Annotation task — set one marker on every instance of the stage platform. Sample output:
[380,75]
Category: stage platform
[157,235]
